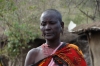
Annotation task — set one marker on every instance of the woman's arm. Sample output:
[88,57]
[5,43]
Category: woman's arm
[30,58]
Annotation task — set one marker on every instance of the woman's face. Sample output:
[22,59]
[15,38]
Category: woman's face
[50,26]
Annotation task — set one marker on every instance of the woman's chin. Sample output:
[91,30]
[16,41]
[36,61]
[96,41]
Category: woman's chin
[49,37]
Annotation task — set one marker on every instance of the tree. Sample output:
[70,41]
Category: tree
[93,6]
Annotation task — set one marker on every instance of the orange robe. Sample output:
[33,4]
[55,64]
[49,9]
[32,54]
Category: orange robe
[70,54]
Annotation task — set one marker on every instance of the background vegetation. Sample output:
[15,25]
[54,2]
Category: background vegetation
[20,19]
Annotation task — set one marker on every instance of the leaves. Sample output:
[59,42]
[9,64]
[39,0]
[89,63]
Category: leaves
[19,33]
[18,37]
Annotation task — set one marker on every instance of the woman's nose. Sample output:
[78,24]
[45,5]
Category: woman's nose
[48,27]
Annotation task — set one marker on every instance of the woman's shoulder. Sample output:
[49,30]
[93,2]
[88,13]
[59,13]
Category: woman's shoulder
[31,56]
[34,50]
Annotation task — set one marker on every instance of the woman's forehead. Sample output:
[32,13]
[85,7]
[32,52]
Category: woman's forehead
[48,16]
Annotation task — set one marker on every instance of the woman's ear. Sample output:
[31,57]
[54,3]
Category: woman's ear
[62,25]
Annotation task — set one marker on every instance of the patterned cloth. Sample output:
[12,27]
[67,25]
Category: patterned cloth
[49,51]
[70,54]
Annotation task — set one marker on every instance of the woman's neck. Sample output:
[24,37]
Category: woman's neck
[53,43]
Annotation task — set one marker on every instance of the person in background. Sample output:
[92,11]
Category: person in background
[54,52]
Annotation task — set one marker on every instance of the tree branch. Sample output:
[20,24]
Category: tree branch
[90,16]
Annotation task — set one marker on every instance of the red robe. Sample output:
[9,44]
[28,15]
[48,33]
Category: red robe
[69,54]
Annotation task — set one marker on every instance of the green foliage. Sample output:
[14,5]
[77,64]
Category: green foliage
[7,5]
[19,32]
[18,36]
[78,19]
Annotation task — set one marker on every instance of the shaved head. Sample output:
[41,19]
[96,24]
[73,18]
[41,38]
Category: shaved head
[52,12]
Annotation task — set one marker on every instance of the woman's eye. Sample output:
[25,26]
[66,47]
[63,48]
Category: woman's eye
[43,24]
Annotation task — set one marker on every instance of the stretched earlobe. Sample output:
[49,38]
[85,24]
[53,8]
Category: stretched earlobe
[62,25]
[61,30]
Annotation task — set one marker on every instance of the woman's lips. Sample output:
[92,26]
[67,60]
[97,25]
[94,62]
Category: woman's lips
[48,34]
